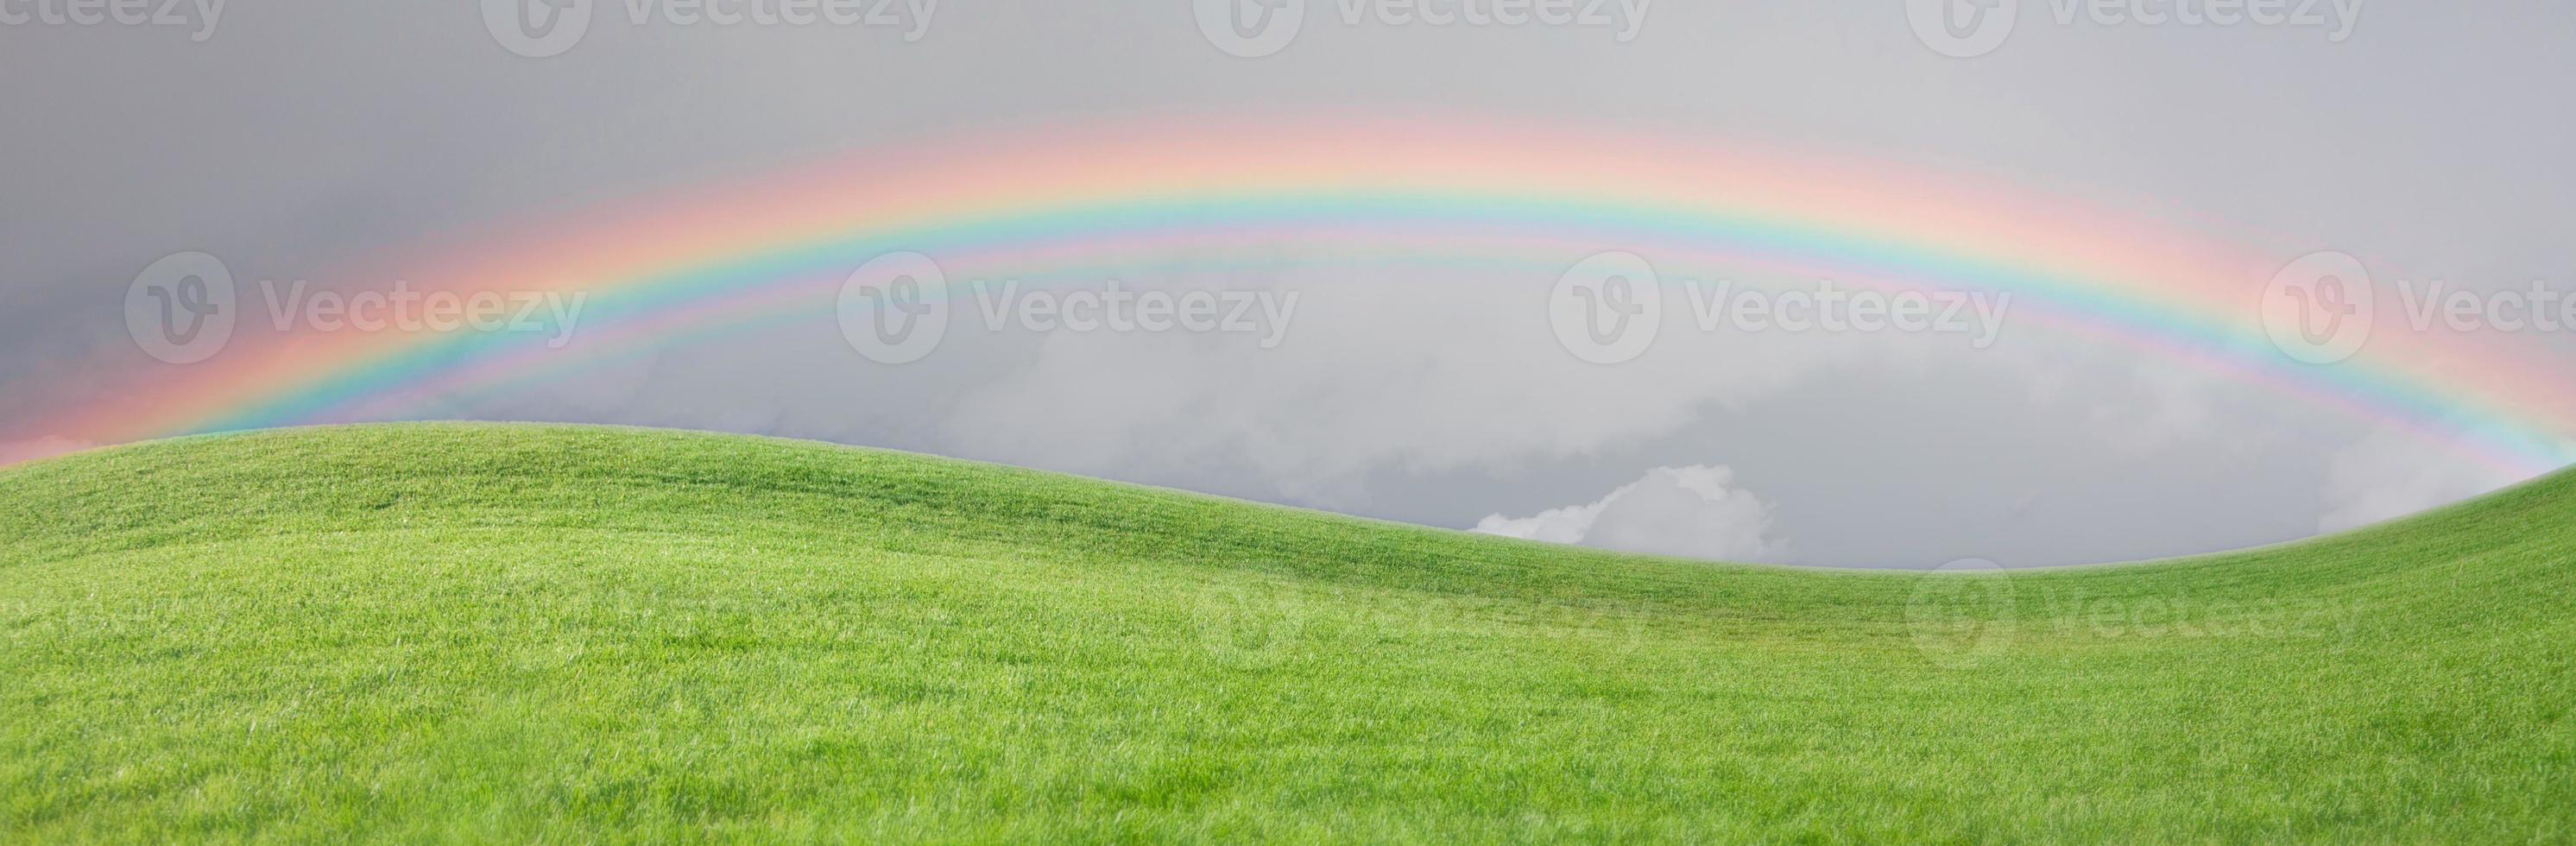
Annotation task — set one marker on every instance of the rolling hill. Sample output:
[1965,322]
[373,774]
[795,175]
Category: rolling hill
[479,632]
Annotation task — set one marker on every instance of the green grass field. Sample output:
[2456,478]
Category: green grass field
[478,633]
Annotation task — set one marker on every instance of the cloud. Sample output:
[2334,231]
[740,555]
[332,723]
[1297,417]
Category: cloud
[1382,371]
[1688,512]
[2392,473]
[2171,405]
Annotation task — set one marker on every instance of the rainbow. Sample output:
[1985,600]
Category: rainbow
[1445,195]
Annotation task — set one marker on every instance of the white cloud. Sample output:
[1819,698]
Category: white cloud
[2392,473]
[1689,512]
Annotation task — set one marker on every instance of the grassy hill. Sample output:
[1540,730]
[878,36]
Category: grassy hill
[446,632]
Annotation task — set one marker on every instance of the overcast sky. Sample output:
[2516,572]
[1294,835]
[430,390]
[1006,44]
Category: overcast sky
[287,137]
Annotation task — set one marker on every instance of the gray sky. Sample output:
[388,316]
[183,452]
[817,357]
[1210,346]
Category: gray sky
[293,137]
